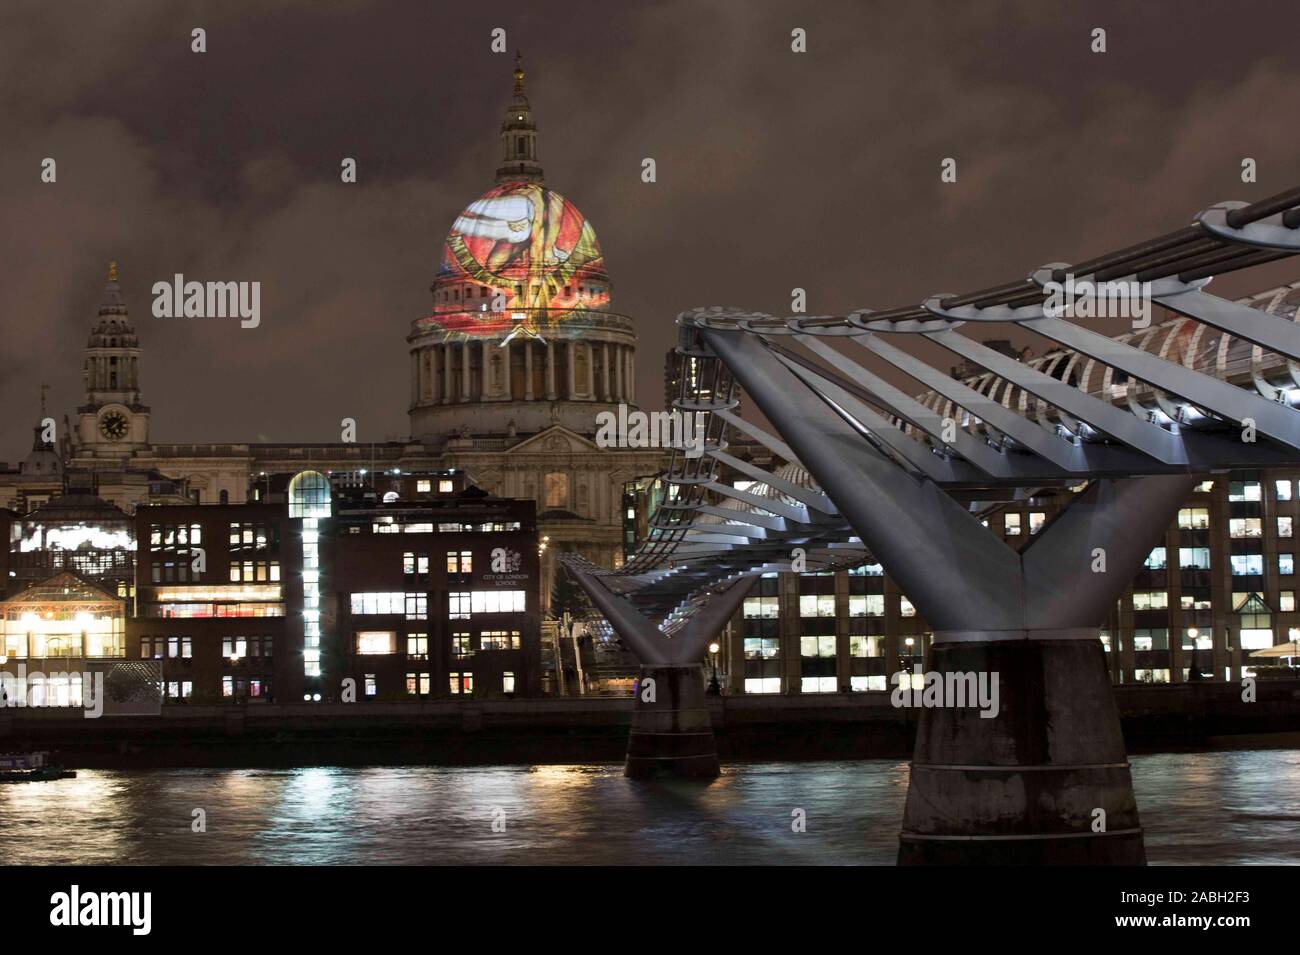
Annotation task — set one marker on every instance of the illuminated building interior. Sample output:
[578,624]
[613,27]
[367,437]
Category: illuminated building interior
[64,616]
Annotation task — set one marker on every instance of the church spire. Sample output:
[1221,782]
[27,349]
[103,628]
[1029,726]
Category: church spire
[519,136]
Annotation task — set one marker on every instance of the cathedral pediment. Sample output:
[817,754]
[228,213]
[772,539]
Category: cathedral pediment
[555,440]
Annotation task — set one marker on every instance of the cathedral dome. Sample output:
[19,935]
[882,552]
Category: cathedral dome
[520,252]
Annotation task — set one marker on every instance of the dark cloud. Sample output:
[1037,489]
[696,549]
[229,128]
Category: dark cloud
[775,170]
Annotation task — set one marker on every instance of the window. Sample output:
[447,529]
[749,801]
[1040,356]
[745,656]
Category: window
[417,646]
[1245,527]
[1011,522]
[1036,521]
[461,645]
[1243,491]
[761,608]
[1194,518]
[461,683]
[458,605]
[507,682]
[1204,641]
[234,648]
[1284,527]
[817,606]
[1247,564]
[1283,490]
[871,646]
[372,642]
[499,640]
[417,683]
[556,489]
[868,605]
[1286,564]
[1151,676]
[497,601]
[445,487]
[309,495]
[763,684]
[417,606]
[460,562]
[905,608]
[1286,601]
[1156,560]
[415,564]
[372,686]
[862,684]
[423,487]
[252,537]
[1157,639]
[255,571]
[1150,600]
[867,570]
[1194,558]
[227,686]
[378,603]
[817,647]
[762,648]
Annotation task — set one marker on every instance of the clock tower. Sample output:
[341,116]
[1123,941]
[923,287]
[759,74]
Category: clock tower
[113,421]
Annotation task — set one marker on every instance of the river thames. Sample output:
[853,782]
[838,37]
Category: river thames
[1223,807]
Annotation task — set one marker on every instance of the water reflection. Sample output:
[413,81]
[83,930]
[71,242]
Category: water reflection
[1221,807]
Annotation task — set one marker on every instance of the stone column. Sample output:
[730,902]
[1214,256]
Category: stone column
[447,379]
[570,379]
[416,361]
[604,371]
[505,367]
[464,370]
[631,377]
[550,369]
[528,370]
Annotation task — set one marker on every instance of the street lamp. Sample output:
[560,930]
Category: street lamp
[715,688]
[1193,668]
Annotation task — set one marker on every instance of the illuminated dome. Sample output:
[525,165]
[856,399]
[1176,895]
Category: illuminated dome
[520,253]
[522,336]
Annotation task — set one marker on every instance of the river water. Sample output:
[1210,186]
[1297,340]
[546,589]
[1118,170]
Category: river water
[1226,807]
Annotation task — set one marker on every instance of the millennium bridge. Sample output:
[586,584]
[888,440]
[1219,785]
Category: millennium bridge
[902,477]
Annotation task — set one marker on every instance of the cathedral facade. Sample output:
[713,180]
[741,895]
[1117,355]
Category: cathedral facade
[519,354]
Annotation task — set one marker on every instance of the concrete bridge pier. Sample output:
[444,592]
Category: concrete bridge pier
[1045,782]
[671,734]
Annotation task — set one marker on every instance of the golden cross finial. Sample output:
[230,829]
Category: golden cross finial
[112,271]
[519,72]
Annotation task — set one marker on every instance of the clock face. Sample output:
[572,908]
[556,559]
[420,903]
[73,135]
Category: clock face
[113,426]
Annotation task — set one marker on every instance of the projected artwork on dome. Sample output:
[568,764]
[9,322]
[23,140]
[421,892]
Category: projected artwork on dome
[521,254]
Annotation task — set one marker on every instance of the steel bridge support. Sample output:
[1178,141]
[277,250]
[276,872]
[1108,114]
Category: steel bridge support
[672,731]
[1041,777]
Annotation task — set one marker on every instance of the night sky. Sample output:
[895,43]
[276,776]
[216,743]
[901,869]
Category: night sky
[775,169]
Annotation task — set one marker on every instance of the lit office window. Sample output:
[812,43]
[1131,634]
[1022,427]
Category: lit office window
[374,642]
[1243,491]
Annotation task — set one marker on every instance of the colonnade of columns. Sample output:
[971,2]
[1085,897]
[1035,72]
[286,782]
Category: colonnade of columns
[566,369]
